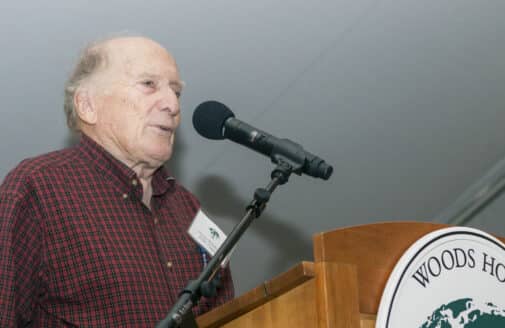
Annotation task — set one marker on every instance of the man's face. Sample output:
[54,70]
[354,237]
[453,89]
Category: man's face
[137,102]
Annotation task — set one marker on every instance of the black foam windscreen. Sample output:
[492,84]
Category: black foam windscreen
[209,118]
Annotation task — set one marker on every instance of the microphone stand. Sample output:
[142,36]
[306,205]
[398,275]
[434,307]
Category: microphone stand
[180,315]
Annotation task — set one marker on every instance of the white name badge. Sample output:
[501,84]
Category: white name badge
[208,235]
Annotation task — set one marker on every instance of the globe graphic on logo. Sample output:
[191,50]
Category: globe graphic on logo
[466,313]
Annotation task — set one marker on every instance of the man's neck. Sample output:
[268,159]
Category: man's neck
[143,170]
[145,176]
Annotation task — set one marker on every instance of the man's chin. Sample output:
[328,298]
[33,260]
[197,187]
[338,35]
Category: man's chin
[156,152]
[158,158]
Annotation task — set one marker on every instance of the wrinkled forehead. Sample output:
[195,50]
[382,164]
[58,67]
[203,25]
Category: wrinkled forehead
[131,58]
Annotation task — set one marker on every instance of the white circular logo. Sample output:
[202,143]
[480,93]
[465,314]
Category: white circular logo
[453,277]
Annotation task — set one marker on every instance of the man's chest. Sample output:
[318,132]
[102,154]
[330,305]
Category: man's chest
[113,248]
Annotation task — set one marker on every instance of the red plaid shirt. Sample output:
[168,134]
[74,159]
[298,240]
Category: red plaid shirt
[79,248]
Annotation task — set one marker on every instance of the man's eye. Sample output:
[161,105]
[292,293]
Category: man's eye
[148,83]
[178,94]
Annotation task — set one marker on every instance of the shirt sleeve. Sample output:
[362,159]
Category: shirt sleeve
[20,248]
[227,291]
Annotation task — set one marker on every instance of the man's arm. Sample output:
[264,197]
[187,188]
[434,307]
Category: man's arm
[20,258]
[225,293]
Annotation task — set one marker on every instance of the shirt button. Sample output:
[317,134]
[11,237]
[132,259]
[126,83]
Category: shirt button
[125,196]
[156,220]
[134,182]
[169,264]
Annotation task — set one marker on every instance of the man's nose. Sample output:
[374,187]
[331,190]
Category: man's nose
[170,101]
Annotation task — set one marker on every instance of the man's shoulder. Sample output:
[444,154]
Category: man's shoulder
[40,164]
[33,168]
[188,195]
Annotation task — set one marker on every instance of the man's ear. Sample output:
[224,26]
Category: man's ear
[85,107]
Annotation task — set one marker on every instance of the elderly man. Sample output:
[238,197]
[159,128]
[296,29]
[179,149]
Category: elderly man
[95,235]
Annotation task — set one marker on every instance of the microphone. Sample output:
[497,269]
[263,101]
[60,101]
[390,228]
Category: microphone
[213,120]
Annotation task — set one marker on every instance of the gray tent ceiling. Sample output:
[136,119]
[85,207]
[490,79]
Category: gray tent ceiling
[404,98]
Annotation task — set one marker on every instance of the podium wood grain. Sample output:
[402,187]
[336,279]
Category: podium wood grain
[253,300]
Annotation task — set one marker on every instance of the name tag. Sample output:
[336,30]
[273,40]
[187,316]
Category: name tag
[208,235]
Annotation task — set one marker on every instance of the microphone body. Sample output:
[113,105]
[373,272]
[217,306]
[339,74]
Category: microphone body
[214,120]
[266,144]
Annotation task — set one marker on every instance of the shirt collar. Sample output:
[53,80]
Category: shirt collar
[120,174]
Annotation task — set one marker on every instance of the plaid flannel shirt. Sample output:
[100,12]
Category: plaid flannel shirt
[79,248]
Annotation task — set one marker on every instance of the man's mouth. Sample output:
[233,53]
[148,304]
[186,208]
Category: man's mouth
[164,128]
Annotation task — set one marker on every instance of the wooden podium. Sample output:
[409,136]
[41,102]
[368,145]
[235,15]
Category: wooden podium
[341,288]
